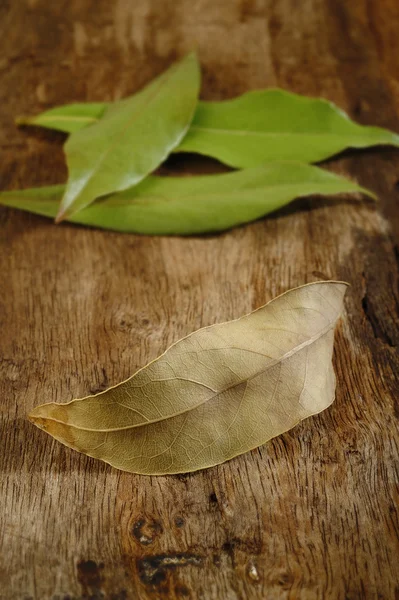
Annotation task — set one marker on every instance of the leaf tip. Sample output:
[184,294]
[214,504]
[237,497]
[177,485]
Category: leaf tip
[193,52]
[38,421]
[61,216]
[36,418]
[21,121]
[369,193]
[192,56]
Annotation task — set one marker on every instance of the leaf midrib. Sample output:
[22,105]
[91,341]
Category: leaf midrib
[234,193]
[251,132]
[231,131]
[108,203]
[241,132]
[288,354]
[64,118]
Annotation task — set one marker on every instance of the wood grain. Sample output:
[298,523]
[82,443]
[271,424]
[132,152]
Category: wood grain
[312,514]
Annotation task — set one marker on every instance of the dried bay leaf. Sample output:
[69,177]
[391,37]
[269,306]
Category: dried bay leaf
[215,394]
[190,205]
[132,138]
[257,127]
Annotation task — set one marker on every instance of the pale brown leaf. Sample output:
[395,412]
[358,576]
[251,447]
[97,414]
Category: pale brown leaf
[217,393]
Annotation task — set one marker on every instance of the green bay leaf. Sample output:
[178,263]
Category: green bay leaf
[222,391]
[67,118]
[192,205]
[257,127]
[132,138]
[274,124]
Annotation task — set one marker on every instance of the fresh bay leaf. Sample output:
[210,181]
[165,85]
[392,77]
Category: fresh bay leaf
[190,205]
[274,124]
[133,137]
[260,126]
[222,391]
[67,118]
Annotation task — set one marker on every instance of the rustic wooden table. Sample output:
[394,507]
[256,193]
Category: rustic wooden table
[314,513]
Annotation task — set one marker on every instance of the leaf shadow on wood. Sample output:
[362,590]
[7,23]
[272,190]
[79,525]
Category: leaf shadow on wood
[314,202]
[40,134]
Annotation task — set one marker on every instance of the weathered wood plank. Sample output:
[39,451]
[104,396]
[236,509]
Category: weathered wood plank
[314,513]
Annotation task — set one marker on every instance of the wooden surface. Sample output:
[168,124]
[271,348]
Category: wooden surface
[314,513]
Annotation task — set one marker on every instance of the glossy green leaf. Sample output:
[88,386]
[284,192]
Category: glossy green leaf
[215,394]
[189,205]
[261,126]
[133,137]
[67,118]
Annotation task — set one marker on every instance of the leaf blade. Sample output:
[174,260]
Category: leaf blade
[275,124]
[162,421]
[134,136]
[67,118]
[193,205]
